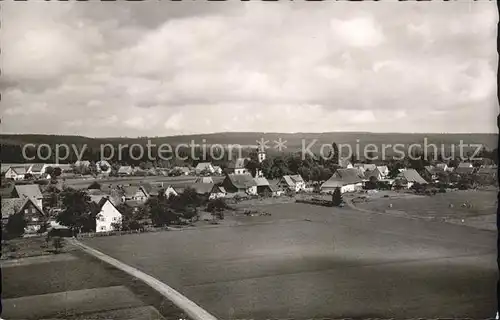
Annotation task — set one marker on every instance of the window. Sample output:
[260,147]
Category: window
[103,228]
[101,218]
[115,218]
[26,211]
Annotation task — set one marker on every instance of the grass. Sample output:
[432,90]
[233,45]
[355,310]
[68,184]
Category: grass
[442,206]
[30,247]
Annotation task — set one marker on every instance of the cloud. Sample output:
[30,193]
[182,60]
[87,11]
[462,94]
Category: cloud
[168,68]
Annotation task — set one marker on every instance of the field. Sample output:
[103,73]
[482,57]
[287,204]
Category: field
[308,261]
[451,206]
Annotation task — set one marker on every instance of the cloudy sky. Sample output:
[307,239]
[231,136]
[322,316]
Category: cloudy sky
[164,68]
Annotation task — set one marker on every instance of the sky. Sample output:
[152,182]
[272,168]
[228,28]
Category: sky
[166,68]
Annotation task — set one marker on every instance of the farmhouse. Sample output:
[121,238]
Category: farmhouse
[31,191]
[209,190]
[409,177]
[16,172]
[107,215]
[240,183]
[292,182]
[135,193]
[263,185]
[374,173]
[348,180]
[237,166]
[33,214]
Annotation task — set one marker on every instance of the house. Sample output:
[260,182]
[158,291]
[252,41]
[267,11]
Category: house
[125,171]
[135,193]
[37,169]
[107,216]
[374,173]
[170,190]
[409,177]
[217,170]
[430,173]
[237,166]
[384,171]
[204,167]
[16,172]
[292,182]
[240,183]
[31,191]
[263,186]
[204,180]
[209,190]
[348,180]
[33,214]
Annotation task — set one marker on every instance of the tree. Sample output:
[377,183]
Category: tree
[92,168]
[15,225]
[371,183]
[57,243]
[335,155]
[51,196]
[216,207]
[252,166]
[77,211]
[49,170]
[337,197]
[160,211]
[56,172]
[28,176]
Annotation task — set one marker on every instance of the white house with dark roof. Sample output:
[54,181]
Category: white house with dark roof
[16,172]
[348,180]
[242,183]
[409,177]
[107,216]
[292,182]
[238,166]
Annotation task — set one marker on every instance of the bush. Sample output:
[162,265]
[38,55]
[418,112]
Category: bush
[58,244]
[15,225]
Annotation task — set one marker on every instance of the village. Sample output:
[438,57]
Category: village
[35,197]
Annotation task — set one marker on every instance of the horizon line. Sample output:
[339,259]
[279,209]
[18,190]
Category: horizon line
[244,132]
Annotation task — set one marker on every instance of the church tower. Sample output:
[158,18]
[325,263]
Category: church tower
[261,156]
